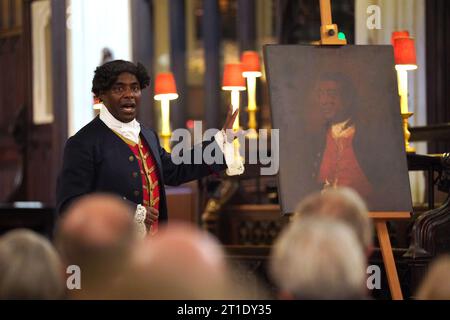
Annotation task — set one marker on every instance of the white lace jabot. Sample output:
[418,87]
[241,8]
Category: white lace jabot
[129,130]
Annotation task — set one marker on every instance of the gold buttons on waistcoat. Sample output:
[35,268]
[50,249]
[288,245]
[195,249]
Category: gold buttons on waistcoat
[131,158]
[153,186]
[153,201]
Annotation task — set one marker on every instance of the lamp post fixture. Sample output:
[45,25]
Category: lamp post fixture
[405,60]
[251,71]
[165,90]
[234,82]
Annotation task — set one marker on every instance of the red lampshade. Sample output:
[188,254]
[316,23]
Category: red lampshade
[405,52]
[399,34]
[250,63]
[97,103]
[165,86]
[232,77]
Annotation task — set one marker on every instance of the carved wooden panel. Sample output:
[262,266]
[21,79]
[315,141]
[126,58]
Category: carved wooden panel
[251,224]
[251,266]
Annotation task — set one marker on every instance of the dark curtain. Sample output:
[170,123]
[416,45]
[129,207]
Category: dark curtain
[438,67]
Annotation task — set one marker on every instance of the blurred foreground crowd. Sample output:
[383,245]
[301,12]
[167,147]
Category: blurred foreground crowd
[321,254]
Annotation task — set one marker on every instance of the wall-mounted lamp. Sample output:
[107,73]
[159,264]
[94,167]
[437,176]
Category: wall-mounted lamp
[405,60]
[234,82]
[165,90]
[251,71]
[399,34]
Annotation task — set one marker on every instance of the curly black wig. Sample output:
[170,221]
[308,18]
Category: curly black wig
[107,74]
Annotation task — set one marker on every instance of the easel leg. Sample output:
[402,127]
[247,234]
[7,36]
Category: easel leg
[388,259]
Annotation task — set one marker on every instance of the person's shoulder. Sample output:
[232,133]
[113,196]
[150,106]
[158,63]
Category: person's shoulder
[88,134]
[90,130]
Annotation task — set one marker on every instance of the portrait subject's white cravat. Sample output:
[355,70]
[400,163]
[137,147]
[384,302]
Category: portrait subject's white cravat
[129,130]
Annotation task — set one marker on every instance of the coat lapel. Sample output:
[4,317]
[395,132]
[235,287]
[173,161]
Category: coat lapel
[113,138]
[150,137]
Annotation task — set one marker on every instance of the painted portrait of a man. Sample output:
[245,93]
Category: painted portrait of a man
[339,164]
[338,112]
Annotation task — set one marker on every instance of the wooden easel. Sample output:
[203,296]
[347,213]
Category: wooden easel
[380,219]
[329,36]
[328,30]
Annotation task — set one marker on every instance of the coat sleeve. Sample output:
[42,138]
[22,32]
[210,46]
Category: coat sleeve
[77,175]
[176,174]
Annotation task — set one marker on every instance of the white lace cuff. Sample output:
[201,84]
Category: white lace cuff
[139,218]
[233,158]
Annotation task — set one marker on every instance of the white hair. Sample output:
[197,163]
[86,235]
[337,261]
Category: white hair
[318,258]
[341,203]
[30,267]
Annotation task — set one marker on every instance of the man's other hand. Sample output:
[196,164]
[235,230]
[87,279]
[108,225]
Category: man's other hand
[151,217]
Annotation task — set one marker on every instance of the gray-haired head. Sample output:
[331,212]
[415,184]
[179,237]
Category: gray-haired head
[343,204]
[319,259]
[30,267]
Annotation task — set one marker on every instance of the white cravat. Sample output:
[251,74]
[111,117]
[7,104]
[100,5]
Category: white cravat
[129,130]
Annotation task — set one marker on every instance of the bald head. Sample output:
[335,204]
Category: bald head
[96,233]
[181,262]
[97,220]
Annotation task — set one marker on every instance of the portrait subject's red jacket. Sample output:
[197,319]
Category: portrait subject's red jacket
[340,166]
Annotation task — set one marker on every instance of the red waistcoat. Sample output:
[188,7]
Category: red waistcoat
[149,175]
[340,166]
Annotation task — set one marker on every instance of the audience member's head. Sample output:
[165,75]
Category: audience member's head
[436,284]
[179,262]
[343,204]
[97,234]
[318,258]
[30,267]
